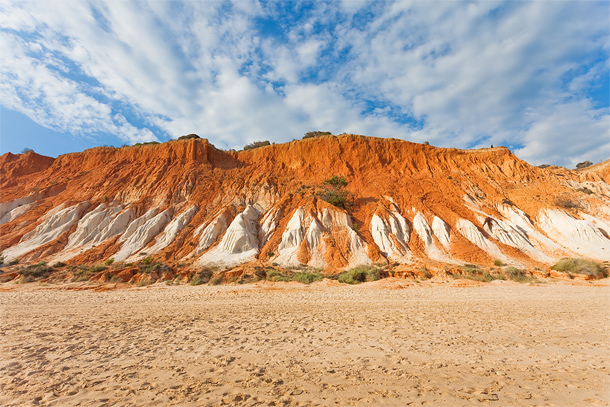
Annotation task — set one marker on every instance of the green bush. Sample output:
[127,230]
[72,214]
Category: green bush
[306,277]
[425,272]
[202,277]
[81,273]
[147,260]
[334,192]
[474,272]
[498,263]
[275,275]
[581,266]
[97,269]
[336,198]
[311,134]
[149,268]
[585,190]
[257,144]
[217,280]
[359,275]
[196,280]
[520,276]
[188,137]
[336,181]
[260,273]
[35,271]
[109,262]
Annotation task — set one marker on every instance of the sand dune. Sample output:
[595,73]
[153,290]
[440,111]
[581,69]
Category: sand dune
[500,344]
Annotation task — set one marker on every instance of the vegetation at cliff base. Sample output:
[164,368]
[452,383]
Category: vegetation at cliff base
[360,274]
[580,266]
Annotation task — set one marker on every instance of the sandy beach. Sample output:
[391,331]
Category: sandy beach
[384,343]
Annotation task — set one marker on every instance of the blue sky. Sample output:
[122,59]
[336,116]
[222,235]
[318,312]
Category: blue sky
[532,76]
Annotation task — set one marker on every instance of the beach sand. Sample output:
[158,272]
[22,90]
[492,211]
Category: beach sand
[380,344]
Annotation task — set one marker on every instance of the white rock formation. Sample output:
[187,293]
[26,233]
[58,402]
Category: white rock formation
[94,228]
[317,230]
[441,231]
[238,245]
[520,221]
[211,232]
[474,235]
[6,207]
[268,225]
[425,234]
[292,239]
[580,236]
[511,235]
[172,229]
[91,225]
[55,223]
[15,213]
[341,228]
[139,237]
[242,234]
[602,225]
[136,224]
[315,244]
[116,226]
[389,235]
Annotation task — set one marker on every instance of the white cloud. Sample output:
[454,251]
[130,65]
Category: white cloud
[53,101]
[570,133]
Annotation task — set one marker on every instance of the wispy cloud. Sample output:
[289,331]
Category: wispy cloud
[458,74]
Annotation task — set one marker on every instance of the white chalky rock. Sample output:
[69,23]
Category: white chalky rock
[388,235]
[316,229]
[7,207]
[510,235]
[474,235]
[211,232]
[425,234]
[15,213]
[268,225]
[238,245]
[172,229]
[578,235]
[315,244]
[341,227]
[143,234]
[92,224]
[55,223]
[292,239]
[116,226]
[242,234]
[441,231]
[94,228]
[519,220]
[136,224]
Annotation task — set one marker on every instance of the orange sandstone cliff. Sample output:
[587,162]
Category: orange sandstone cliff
[187,202]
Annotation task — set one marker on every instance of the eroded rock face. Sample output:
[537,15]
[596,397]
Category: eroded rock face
[189,202]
